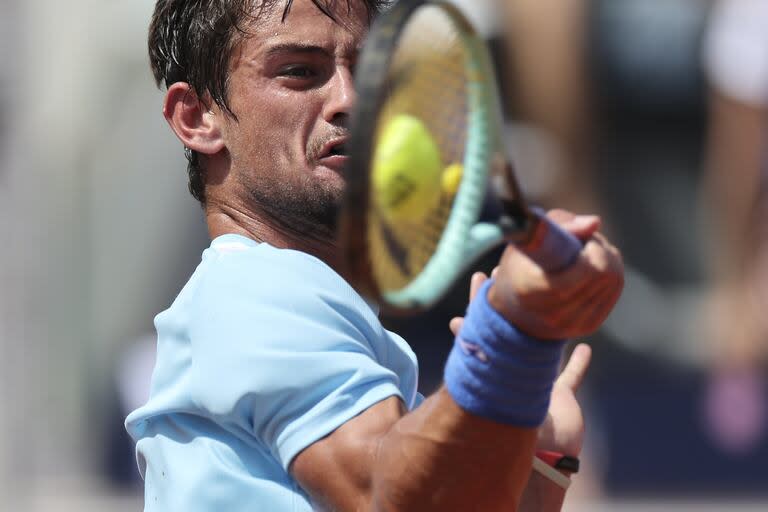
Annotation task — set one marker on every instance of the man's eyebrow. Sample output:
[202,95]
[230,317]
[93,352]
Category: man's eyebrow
[296,48]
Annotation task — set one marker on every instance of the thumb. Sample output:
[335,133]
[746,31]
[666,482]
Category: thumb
[455,324]
[574,372]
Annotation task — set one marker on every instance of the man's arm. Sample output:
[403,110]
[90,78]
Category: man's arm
[440,457]
[542,495]
[562,432]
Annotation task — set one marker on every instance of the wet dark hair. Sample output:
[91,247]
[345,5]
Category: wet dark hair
[192,40]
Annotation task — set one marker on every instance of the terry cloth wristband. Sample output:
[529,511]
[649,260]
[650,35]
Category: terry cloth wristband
[497,372]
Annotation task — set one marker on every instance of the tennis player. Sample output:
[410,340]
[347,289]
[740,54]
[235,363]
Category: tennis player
[276,387]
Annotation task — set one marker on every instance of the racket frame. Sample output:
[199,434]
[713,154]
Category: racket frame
[516,224]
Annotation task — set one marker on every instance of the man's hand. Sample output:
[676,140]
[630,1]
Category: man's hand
[567,304]
[563,430]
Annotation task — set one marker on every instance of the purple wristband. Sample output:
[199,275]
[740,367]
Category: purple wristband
[497,372]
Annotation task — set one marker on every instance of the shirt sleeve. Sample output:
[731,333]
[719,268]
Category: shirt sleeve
[286,357]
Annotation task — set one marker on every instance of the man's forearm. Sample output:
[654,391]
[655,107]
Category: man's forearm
[541,495]
[440,457]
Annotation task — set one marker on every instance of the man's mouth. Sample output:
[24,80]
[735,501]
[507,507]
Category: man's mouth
[334,147]
[334,154]
[338,150]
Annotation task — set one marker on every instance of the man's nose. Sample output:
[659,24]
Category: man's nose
[341,96]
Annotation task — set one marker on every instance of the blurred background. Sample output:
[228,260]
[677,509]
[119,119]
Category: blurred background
[650,112]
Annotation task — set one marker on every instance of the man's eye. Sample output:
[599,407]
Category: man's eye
[297,72]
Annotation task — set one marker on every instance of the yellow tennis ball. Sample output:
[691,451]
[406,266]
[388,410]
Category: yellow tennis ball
[406,170]
[452,179]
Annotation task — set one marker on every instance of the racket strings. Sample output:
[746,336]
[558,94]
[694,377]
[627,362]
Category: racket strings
[399,255]
[427,80]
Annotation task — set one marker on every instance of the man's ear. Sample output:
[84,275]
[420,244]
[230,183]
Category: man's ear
[194,124]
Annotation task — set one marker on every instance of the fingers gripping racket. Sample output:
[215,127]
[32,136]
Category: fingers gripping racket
[426,153]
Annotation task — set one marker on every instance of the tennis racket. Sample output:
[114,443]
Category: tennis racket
[425,155]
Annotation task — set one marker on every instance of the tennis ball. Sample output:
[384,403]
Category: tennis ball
[406,170]
[452,179]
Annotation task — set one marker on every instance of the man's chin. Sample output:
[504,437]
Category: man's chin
[308,206]
[329,181]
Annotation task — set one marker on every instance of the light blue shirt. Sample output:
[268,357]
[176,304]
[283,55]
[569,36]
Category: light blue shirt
[264,352]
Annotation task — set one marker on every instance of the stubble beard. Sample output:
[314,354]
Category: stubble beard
[307,208]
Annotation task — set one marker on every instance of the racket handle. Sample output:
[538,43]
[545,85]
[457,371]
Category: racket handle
[552,247]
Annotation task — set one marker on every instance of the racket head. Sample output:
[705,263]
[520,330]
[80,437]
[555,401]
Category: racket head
[425,137]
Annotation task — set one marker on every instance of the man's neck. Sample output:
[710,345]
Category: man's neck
[227,220]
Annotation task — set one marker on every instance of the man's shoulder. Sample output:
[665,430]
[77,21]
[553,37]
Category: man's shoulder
[235,265]
[240,280]
[251,260]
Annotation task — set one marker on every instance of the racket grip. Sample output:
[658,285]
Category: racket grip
[552,247]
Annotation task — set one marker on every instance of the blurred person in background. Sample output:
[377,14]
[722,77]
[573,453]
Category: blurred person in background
[548,89]
[550,125]
[734,205]
[271,387]
[630,74]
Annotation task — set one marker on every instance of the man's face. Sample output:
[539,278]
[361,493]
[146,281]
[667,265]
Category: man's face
[291,90]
